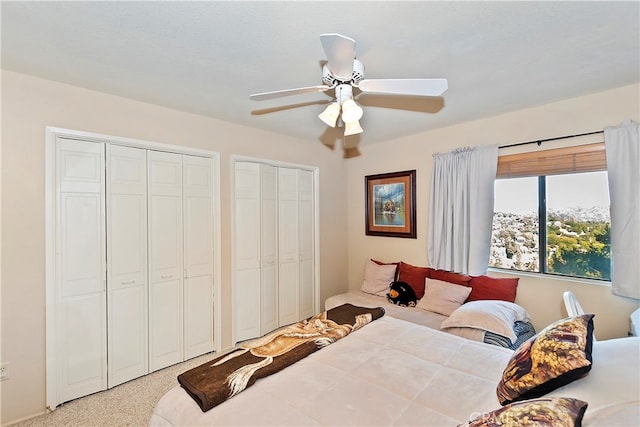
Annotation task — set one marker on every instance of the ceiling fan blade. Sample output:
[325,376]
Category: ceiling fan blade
[288,92]
[340,51]
[418,87]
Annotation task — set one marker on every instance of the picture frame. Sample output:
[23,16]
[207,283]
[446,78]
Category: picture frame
[390,204]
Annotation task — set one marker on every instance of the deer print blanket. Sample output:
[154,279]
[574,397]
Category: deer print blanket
[222,378]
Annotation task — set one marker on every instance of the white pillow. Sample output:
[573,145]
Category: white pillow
[488,315]
[442,297]
[377,278]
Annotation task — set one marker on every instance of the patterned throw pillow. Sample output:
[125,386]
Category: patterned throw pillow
[558,355]
[547,412]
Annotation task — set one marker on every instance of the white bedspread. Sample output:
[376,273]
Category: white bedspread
[393,372]
[411,314]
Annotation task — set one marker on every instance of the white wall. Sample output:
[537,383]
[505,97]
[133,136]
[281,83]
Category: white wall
[28,105]
[541,295]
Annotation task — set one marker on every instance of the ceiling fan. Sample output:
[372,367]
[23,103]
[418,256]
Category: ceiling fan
[342,73]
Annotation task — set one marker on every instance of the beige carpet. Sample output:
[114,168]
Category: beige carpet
[129,404]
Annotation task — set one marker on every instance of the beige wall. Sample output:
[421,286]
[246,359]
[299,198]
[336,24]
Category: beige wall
[28,105]
[541,296]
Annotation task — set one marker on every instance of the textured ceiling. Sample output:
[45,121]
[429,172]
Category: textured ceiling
[207,57]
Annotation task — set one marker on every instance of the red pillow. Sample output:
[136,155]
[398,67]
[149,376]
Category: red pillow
[447,276]
[395,276]
[485,287]
[414,277]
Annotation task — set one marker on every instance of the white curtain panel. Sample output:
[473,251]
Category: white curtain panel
[461,209]
[623,166]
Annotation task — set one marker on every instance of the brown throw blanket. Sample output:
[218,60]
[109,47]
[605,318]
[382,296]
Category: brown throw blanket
[222,378]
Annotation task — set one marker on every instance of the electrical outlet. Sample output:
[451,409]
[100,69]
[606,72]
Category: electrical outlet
[4,371]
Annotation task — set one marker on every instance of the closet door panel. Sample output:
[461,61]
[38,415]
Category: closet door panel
[83,347]
[128,239]
[165,250]
[198,236]
[198,255]
[82,243]
[198,211]
[247,215]
[127,255]
[269,300]
[306,289]
[128,342]
[288,293]
[166,324]
[306,242]
[287,215]
[269,248]
[80,268]
[198,316]
[246,281]
[268,215]
[246,307]
[80,166]
[288,270]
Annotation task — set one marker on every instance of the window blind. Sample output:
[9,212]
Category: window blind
[581,158]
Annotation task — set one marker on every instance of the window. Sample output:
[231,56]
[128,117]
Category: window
[554,222]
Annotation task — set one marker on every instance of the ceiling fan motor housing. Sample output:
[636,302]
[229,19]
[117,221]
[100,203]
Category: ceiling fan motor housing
[356,76]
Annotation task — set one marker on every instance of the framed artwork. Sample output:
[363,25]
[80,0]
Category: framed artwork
[391,204]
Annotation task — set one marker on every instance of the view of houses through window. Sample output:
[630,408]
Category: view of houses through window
[575,228]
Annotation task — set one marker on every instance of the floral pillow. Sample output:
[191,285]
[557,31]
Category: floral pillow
[558,355]
[545,412]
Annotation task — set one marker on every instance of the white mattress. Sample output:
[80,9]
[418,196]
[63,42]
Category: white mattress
[393,372]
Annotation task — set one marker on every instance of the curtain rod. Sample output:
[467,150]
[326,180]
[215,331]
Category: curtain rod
[540,141]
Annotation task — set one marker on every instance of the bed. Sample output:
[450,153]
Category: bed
[480,308]
[393,372]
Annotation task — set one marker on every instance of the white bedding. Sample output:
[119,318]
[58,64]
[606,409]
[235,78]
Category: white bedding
[411,314]
[393,372]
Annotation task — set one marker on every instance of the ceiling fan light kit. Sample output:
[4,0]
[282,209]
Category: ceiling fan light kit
[330,114]
[342,73]
[352,128]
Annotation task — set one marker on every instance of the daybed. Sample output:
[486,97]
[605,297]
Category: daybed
[480,308]
[394,372]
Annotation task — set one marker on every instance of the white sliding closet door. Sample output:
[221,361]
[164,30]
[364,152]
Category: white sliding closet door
[81,339]
[246,290]
[198,255]
[288,270]
[165,260]
[127,257]
[268,248]
[274,256]
[306,239]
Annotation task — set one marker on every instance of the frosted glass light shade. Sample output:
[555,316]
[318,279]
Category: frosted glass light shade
[352,128]
[330,114]
[351,112]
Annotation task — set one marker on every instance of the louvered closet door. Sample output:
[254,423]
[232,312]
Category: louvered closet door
[81,338]
[127,257]
[269,248]
[165,260]
[306,244]
[198,255]
[288,269]
[246,283]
